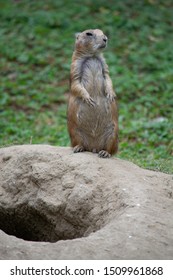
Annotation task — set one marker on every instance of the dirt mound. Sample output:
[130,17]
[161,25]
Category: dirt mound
[91,208]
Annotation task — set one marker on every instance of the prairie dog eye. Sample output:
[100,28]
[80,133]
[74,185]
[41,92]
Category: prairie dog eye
[89,34]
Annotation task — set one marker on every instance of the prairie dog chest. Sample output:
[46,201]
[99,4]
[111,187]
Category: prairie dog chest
[92,66]
[92,75]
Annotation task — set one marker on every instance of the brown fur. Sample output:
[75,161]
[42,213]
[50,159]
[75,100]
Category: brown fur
[92,107]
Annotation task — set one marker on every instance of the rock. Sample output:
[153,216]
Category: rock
[55,204]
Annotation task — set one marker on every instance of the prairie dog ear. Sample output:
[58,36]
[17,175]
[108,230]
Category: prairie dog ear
[77,35]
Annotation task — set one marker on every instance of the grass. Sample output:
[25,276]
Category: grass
[36,43]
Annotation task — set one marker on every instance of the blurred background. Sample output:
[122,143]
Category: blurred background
[36,45]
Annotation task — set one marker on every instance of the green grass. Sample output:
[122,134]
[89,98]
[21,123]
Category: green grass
[36,43]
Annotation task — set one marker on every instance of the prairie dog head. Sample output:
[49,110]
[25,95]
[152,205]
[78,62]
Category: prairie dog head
[90,41]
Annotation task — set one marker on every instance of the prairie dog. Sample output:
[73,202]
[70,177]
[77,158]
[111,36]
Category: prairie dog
[92,114]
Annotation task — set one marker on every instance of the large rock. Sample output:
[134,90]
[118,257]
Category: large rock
[58,205]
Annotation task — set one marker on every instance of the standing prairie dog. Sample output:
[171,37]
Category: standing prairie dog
[92,109]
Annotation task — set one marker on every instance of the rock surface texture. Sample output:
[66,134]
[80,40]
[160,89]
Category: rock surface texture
[55,204]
